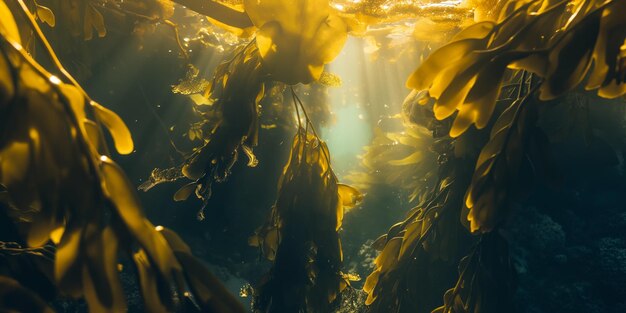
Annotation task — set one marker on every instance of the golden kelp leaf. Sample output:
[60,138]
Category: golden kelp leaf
[498,163]
[571,58]
[472,38]
[149,283]
[231,120]
[480,102]
[46,15]
[68,263]
[307,255]
[412,234]
[379,243]
[199,99]
[368,287]
[93,20]
[56,234]
[608,75]
[349,196]
[557,40]
[15,160]
[390,254]
[400,159]
[185,191]
[7,84]
[101,281]
[385,260]
[73,195]
[8,28]
[296,40]
[120,191]
[413,158]
[420,244]
[117,128]
[93,134]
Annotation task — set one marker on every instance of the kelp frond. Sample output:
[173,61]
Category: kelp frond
[556,40]
[230,124]
[64,190]
[401,159]
[301,236]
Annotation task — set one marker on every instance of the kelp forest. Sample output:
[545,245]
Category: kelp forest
[313,156]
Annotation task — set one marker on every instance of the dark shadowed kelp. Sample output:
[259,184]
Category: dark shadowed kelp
[301,235]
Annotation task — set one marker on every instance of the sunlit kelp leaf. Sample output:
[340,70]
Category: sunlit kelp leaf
[552,39]
[93,133]
[118,129]
[609,72]
[120,191]
[472,38]
[45,15]
[426,236]
[349,195]
[7,24]
[300,236]
[418,252]
[296,40]
[14,162]
[496,173]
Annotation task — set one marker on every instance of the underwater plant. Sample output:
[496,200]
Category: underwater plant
[73,209]
[561,44]
[307,34]
[470,143]
[301,235]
